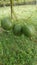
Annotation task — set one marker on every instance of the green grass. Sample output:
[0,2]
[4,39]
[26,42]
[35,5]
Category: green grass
[21,11]
[18,50]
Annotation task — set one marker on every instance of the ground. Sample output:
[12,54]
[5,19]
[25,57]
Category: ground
[17,50]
